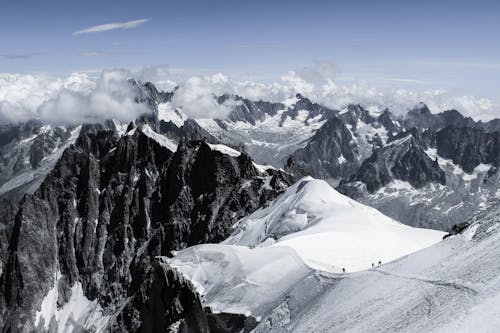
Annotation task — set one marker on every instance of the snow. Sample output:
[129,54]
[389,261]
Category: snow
[344,111]
[131,132]
[166,112]
[330,231]
[225,149]
[49,304]
[36,176]
[263,168]
[161,139]
[121,127]
[309,229]
[269,141]
[452,168]
[79,312]
[290,102]
[236,279]
[452,286]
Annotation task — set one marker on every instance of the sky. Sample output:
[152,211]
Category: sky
[418,45]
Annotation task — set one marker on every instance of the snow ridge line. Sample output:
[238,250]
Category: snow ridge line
[442,283]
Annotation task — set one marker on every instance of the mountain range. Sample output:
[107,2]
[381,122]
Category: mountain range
[282,216]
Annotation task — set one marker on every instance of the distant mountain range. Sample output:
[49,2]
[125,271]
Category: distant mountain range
[104,227]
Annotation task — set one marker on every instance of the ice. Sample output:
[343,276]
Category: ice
[330,231]
[310,228]
[77,314]
[236,279]
[161,139]
[166,112]
[225,149]
[452,286]
[263,168]
[36,176]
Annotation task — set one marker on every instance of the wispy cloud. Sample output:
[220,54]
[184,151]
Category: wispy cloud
[13,56]
[457,64]
[403,80]
[252,46]
[94,54]
[111,26]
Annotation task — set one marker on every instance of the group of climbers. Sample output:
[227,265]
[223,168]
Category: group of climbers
[373,266]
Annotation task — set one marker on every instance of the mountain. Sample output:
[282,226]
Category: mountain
[269,131]
[215,225]
[28,152]
[338,148]
[308,230]
[430,179]
[450,286]
[81,249]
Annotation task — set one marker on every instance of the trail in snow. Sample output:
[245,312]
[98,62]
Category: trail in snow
[443,283]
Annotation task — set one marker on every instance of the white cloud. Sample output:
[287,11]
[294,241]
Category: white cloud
[318,83]
[74,99]
[93,54]
[112,26]
[90,97]
[197,97]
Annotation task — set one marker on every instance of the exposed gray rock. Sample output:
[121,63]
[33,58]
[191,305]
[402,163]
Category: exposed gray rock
[109,207]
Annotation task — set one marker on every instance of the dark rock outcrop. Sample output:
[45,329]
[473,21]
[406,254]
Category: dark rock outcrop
[331,153]
[403,159]
[108,209]
[468,147]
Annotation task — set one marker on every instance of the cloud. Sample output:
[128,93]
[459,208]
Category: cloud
[71,100]
[91,97]
[196,97]
[12,56]
[457,64]
[91,54]
[112,26]
[252,46]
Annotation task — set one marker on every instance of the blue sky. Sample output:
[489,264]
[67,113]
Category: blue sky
[422,44]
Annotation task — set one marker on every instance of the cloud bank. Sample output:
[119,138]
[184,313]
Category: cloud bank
[316,82]
[71,100]
[111,26]
[80,97]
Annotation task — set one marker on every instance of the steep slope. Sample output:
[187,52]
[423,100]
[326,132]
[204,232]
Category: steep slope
[403,158]
[328,230]
[28,151]
[331,154]
[269,132]
[310,226]
[81,248]
[338,148]
[442,180]
[452,286]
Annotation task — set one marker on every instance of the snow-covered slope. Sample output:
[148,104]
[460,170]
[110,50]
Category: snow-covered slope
[27,161]
[236,279]
[269,131]
[310,227]
[329,231]
[453,286]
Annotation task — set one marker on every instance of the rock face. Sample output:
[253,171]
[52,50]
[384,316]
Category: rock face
[331,153]
[99,219]
[338,148]
[168,302]
[402,159]
[28,151]
[269,131]
[469,147]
